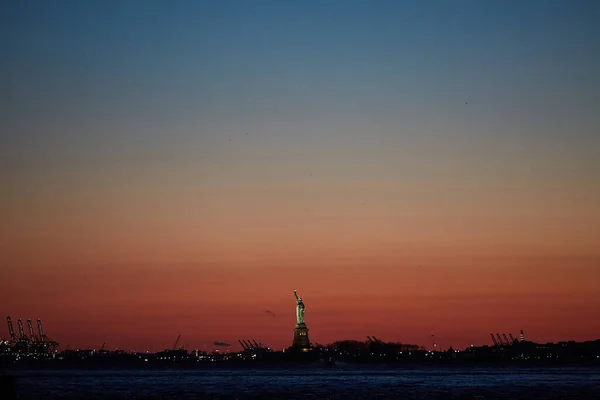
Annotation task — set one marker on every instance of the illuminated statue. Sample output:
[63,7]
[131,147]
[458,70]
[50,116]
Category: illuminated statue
[299,310]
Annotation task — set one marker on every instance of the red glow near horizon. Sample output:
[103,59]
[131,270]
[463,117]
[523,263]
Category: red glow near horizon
[146,308]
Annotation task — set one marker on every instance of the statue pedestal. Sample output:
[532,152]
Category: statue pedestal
[301,341]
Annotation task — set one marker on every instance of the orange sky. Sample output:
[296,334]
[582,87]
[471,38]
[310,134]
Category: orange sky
[135,256]
[180,170]
[399,298]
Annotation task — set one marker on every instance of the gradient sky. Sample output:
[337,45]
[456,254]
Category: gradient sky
[412,167]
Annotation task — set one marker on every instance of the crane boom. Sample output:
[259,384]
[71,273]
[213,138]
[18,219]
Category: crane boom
[377,340]
[11,331]
[31,334]
[256,344]
[21,330]
[512,339]
[41,331]
[505,339]
[242,344]
[176,342]
[494,339]
[499,339]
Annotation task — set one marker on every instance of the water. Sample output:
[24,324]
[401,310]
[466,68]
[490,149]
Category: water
[313,383]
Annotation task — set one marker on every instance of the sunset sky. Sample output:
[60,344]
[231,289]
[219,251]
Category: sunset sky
[413,168]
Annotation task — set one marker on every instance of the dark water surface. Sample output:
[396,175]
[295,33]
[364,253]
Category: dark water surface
[315,383]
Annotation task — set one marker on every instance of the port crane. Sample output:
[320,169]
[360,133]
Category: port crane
[31,334]
[499,339]
[377,340]
[11,331]
[43,337]
[252,344]
[494,339]
[512,339]
[176,342]
[40,341]
[22,335]
[505,339]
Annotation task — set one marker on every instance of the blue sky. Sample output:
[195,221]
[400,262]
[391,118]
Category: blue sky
[97,88]
[260,137]
[123,61]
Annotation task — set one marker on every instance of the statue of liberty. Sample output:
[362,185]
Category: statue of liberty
[299,310]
